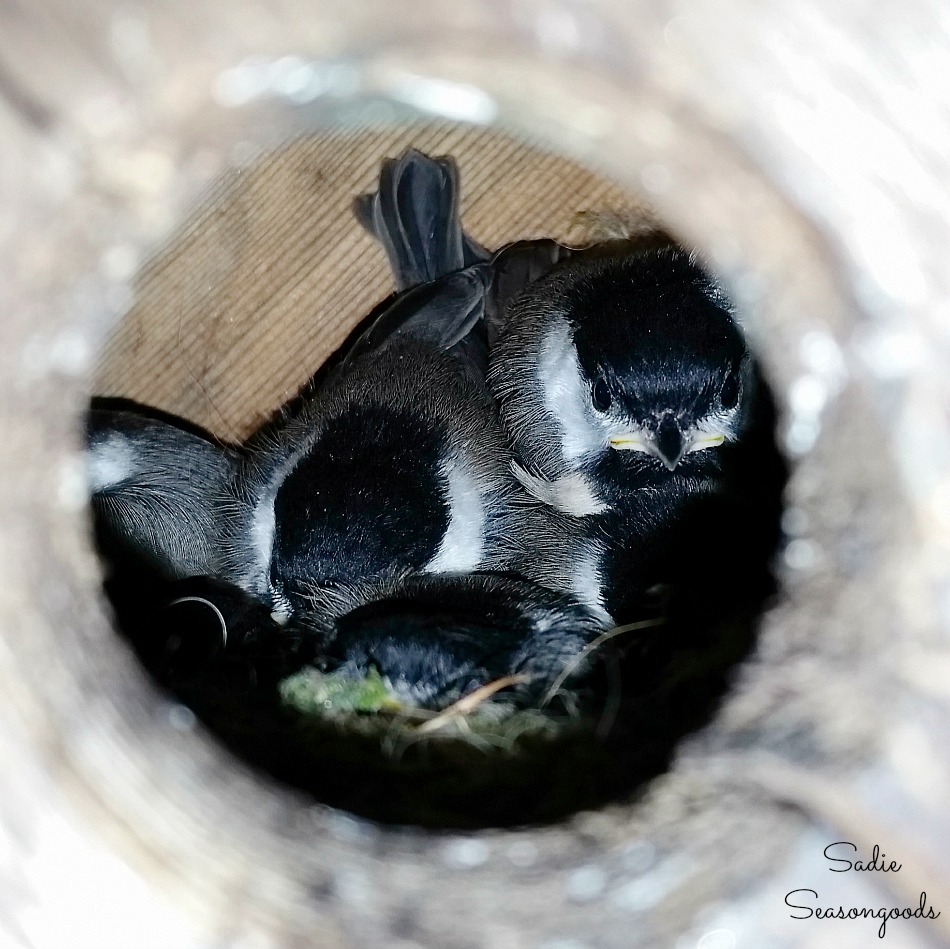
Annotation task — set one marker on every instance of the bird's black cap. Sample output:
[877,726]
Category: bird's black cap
[655,328]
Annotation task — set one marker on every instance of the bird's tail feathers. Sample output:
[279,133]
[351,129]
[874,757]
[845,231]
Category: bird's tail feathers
[414,214]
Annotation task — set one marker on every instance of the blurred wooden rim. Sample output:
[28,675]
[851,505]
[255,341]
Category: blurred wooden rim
[236,854]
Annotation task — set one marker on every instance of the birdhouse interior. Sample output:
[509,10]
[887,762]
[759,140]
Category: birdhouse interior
[455,507]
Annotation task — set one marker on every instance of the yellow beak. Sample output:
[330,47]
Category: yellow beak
[705,441]
[630,442]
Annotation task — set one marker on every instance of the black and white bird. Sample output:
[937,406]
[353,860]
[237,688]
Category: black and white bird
[635,409]
[385,496]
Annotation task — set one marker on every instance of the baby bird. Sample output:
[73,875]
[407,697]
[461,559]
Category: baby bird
[632,402]
[398,464]
[621,373]
[373,515]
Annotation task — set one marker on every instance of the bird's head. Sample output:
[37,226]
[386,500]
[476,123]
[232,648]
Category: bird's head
[660,369]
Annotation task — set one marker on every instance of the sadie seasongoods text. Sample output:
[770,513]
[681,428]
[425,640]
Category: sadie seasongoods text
[840,855]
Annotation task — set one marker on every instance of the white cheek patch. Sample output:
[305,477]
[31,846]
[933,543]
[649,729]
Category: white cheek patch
[571,493]
[565,395]
[463,545]
[258,542]
[110,462]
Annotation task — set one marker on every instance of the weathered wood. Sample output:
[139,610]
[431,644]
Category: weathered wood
[803,147]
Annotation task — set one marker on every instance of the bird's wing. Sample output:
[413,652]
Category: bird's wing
[513,268]
[442,312]
[414,214]
[160,493]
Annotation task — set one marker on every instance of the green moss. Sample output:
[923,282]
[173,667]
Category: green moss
[329,694]
[321,700]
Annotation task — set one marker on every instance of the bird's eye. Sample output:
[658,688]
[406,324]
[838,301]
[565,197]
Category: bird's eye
[729,394]
[601,395]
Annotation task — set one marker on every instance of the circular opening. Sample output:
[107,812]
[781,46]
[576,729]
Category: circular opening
[262,291]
